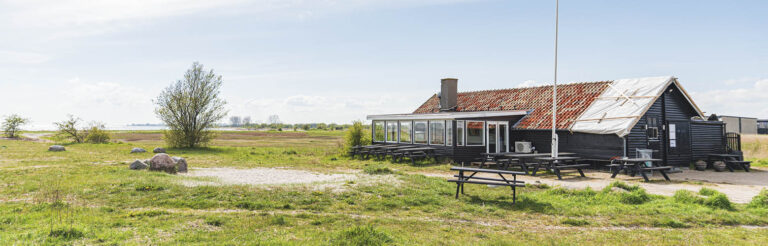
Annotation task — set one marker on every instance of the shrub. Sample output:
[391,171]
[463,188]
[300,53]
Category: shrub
[356,135]
[719,201]
[574,222]
[12,125]
[708,192]
[376,169]
[361,235]
[69,129]
[686,196]
[97,133]
[759,201]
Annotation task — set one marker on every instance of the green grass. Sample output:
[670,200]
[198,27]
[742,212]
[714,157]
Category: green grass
[96,199]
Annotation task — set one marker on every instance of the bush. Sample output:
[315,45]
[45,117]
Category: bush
[759,201]
[97,133]
[377,169]
[686,196]
[356,136]
[719,201]
[69,129]
[708,192]
[362,235]
[12,125]
[638,196]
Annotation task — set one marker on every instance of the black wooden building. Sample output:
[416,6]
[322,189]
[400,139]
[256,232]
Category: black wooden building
[596,120]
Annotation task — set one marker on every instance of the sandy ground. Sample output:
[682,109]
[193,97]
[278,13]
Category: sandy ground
[261,176]
[37,137]
[739,186]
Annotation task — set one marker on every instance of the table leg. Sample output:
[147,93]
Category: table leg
[581,172]
[663,173]
[557,171]
[644,176]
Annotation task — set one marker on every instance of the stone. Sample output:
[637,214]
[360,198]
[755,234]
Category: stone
[162,162]
[138,165]
[181,164]
[158,150]
[56,148]
[138,150]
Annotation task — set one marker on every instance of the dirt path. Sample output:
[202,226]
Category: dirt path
[37,136]
[740,187]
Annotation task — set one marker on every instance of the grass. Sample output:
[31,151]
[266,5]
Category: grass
[103,202]
[755,148]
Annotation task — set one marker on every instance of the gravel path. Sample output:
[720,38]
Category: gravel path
[261,176]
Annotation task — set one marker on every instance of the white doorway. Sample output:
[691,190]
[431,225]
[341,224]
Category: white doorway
[498,136]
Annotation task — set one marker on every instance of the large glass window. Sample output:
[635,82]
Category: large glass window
[405,131]
[420,132]
[460,133]
[437,132]
[475,133]
[378,131]
[392,131]
[449,132]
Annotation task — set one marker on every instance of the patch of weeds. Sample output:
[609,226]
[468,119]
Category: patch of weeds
[574,222]
[686,196]
[148,213]
[759,201]
[708,192]
[361,235]
[149,187]
[250,205]
[66,233]
[669,222]
[622,185]
[278,220]
[290,152]
[542,186]
[638,196]
[719,201]
[214,221]
[377,169]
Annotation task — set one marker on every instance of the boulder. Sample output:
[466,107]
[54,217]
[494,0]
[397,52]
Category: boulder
[138,165]
[138,150]
[162,162]
[181,164]
[56,148]
[158,150]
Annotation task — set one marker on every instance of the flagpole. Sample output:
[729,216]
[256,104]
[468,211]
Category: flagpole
[554,88]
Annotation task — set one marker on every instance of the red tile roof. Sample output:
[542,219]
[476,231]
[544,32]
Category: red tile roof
[572,101]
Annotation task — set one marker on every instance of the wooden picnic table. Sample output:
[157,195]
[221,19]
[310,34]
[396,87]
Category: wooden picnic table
[472,179]
[730,160]
[521,159]
[638,165]
[558,163]
[414,153]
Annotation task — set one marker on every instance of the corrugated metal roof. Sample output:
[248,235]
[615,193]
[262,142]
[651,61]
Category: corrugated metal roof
[572,101]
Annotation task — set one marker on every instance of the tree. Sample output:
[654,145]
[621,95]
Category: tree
[190,107]
[235,121]
[97,133]
[246,121]
[69,129]
[12,125]
[357,135]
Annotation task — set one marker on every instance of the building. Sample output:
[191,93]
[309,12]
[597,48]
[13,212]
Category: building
[596,120]
[762,126]
[738,124]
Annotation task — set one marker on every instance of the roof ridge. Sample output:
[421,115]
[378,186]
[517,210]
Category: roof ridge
[538,86]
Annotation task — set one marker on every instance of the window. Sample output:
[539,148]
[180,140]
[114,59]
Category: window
[405,131]
[437,132]
[378,131]
[475,133]
[449,133]
[460,133]
[420,132]
[652,128]
[392,131]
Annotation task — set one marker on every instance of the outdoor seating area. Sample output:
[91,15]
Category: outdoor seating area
[397,153]
[642,166]
[473,179]
[729,161]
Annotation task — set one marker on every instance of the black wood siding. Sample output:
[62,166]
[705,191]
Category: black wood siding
[708,138]
[591,146]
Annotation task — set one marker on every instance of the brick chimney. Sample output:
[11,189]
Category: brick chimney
[448,94]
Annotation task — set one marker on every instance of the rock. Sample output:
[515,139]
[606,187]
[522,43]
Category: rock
[162,162]
[181,164]
[138,165]
[158,150]
[56,148]
[138,150]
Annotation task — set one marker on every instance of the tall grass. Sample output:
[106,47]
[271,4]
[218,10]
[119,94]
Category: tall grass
[755,147]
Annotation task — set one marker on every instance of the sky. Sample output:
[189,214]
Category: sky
[340,60]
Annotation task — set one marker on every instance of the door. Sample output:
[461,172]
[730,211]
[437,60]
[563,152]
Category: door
[678,142]
[497,137]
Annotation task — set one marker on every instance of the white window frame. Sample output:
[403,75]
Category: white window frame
[410,131]
[429,134]
[386,131]
[373,131]
[448,132]
[483,133]
[426,132]
[460,124]
[499,125]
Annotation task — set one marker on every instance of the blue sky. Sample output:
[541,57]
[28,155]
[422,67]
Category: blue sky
[336,61]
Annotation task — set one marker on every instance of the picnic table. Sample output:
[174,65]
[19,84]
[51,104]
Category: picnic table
[366,151]
[414,153]
[730,160]
[558,163]
[472,179]
[521,159]
[638,165]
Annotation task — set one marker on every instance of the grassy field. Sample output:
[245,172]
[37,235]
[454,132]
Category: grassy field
[87,195]
[755,148]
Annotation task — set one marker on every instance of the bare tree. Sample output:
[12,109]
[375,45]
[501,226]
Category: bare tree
[274,119]
[190,107]
[235,121]
[12,125]
[246,121]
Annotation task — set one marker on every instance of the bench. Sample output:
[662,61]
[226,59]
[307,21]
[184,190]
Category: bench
[740,164]
[471,179]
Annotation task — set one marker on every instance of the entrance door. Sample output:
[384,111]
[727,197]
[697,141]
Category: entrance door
[498,134]
[678,142]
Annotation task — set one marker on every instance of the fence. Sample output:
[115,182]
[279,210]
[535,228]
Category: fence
[734,141]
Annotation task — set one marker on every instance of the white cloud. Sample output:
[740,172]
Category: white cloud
[530,83]
[16,57]
[748,101]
